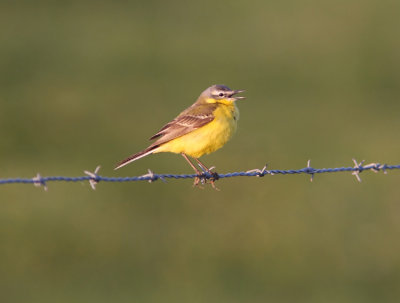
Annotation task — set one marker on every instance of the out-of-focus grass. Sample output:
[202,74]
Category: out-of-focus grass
[84,84]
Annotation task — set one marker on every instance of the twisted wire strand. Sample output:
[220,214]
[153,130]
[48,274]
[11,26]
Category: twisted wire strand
[94,177]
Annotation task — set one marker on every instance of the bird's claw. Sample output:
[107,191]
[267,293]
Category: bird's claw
[203,179]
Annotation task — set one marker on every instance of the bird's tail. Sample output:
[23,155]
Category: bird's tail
[134,157]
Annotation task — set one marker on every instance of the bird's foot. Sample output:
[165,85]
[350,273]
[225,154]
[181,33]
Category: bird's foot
[199,181]
[204,178]
[214,178]
[212,182]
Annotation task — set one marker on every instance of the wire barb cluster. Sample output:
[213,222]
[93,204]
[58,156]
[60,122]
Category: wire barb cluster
[94,178]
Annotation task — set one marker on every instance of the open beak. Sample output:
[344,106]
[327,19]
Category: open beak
[237,92]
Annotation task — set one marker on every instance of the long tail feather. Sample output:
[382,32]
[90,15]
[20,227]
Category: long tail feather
[137,156]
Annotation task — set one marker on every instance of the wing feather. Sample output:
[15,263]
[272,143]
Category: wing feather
[189,120]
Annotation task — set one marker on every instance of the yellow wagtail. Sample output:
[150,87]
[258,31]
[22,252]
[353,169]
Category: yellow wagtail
[200,129]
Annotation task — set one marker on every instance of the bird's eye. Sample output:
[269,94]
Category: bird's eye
[221,94]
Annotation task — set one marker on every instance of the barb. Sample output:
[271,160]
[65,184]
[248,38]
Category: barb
[38,181]
[94,178]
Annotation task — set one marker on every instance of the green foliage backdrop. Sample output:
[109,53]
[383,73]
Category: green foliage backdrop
[85,83]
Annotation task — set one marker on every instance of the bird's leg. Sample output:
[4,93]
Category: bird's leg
[199,174]
[191,164]
[214,175]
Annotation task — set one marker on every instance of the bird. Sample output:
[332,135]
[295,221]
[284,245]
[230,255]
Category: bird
[201,129]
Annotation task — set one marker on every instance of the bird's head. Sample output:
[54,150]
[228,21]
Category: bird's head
[220,94]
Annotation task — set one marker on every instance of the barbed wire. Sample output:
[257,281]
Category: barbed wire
[94,178]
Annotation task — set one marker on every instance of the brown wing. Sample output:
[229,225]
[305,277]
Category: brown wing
[191,119]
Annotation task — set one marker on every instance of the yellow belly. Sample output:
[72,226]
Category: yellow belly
[208,138]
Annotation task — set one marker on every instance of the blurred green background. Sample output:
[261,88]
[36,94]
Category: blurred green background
[87,83]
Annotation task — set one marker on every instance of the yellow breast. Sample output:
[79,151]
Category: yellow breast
[208,138]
